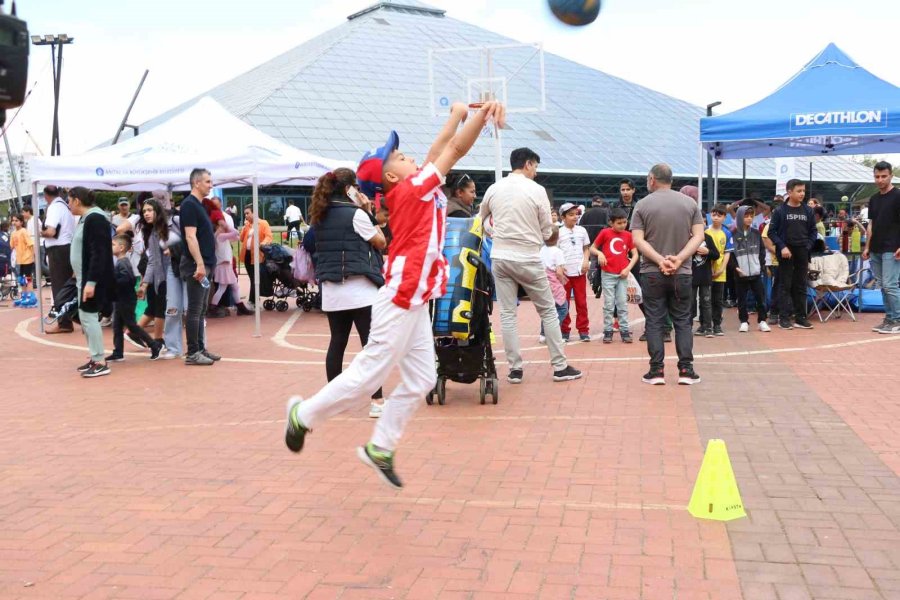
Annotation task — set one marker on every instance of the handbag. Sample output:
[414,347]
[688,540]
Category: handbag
[303,269]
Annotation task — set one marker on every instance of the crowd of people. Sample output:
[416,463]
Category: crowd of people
[379,262]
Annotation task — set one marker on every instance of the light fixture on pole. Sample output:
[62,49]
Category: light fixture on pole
[56,43]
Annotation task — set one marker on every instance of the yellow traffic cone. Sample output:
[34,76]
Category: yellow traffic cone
[716,495]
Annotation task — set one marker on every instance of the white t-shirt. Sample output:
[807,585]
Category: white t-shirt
[292,213]
[552,257]
[571,243]
[60,218]
[357,291]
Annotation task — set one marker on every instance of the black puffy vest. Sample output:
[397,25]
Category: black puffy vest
[340,252]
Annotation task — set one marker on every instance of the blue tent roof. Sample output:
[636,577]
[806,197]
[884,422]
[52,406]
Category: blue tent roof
[832,106]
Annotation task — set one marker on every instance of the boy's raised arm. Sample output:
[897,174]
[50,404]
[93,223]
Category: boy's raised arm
[458,114]
[460,144]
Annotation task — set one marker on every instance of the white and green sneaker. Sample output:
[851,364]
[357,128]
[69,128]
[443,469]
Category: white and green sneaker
[382,462]
[294,430]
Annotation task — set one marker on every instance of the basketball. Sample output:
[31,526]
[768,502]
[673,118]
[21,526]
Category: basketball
[575,12]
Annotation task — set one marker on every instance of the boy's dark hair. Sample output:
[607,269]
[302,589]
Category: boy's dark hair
[719,209]
[627,182]
[820,210]
[617,214]
[520,156]
[882,165]
[123,239]
[792,183]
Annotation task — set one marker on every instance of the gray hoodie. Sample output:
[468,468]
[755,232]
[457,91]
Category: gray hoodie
[749,251]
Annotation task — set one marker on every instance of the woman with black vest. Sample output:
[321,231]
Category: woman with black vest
[348,264]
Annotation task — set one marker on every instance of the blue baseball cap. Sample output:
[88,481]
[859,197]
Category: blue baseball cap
[370,172]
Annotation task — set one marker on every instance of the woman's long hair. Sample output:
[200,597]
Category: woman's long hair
[160,222]
[329,184]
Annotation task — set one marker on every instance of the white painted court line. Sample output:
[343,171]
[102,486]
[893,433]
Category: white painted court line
[279,339]
[522,504]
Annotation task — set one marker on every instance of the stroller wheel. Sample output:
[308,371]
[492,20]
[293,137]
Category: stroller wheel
[482,389]
[269,304]
[299,301]
[429,398]
[281,306]
[495,392]
[307,306]
[441,389]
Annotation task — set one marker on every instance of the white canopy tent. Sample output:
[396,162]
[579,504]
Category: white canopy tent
[203,135]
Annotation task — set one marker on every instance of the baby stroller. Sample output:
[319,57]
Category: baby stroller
[461,317]
[67,304]
[277,281]
[9,284]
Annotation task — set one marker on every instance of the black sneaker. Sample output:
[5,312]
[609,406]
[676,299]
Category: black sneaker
[643,337]
[85,367]
[686,376]
[134,341]
[382,462]
[803,324]
[700,332]
[565,338]
[114,358]
[709,333]
[155,350]
[568,374]
[607,337]
[626,337]
[211,355]
[718,331]
[667,336]
[96,370]
[515,376]
[294,431]
[785,324]
[654,377]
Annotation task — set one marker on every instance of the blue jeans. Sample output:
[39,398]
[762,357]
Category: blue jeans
[887,271]
[561,311]
[615,297]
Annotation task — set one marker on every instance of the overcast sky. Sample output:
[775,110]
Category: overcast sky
[697,50]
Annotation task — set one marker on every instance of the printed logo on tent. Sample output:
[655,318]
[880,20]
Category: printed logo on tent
[840,119]
[99,171]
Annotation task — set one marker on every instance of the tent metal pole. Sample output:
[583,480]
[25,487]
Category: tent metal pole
[255,299]
[700,180]
[743,178]
[38,254]
[716,184]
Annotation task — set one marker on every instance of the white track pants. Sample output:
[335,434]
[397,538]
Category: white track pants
[398,337]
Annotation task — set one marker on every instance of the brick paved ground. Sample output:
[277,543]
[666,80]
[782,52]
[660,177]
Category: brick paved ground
[162,481]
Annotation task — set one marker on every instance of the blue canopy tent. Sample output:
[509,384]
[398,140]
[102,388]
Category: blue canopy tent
[832,106]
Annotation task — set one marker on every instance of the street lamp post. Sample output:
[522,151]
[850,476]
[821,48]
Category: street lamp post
[56,43]
[710,192]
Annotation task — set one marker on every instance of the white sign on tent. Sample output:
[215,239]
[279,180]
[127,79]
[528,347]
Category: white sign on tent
[784,171]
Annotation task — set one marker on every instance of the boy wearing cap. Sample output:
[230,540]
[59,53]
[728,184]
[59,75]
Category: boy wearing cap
[575,243]
[415,272]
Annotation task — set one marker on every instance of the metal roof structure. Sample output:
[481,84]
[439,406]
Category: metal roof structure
[333,96]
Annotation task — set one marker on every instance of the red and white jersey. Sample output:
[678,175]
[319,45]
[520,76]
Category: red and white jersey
[416,269]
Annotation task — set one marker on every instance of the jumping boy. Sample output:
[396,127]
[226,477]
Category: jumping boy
[725,245]
[415,272]
[616,256]
[126,302]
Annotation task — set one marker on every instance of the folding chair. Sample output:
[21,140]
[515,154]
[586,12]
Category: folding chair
[829,278]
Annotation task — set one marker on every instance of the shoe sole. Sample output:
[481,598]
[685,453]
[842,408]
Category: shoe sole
[194,363]
[687,381]
[803,326]
[513,381]
[291,402]
[888,331]
[135,344]
[364,457]
[567,377]
[168,357]
[116,359]
[654,381]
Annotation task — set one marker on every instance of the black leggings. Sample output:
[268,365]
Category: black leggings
[341,322]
